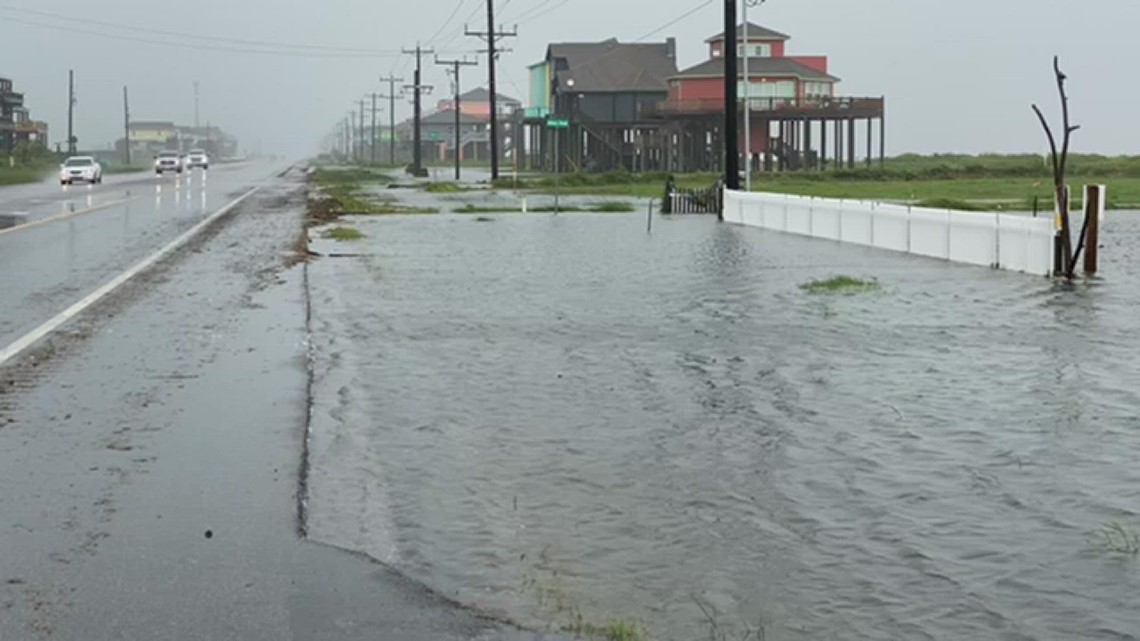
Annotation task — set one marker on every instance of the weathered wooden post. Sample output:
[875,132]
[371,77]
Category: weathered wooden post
[1094,210]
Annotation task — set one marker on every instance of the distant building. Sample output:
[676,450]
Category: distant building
[148,138]
[437,135]
[16,124]
[477,102]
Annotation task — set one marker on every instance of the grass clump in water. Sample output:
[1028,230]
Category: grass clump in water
[344,233]
[1118,538]
[613,207]
[840,285]
[444,188]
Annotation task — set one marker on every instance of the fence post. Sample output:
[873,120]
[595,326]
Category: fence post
[1094,199]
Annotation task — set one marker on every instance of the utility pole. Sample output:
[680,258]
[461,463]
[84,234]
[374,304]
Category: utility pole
[731,108]
[455,65]
[391,96]
[373,136]
[127,126]
[71,113]
[492,53]
[418,87]
[360,135]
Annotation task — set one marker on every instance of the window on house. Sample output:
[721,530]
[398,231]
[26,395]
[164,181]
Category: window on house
[755,50]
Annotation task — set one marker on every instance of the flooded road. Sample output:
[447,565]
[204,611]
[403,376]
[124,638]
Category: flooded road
[554,417]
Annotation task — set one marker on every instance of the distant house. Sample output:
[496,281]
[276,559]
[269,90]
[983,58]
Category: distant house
[437,132]
[148,138]
[16,124]
[604,90]
[477,102]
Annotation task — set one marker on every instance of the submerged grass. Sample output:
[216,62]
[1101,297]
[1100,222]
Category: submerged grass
[344,234]
[1119,538]
[840,285]
[445,188]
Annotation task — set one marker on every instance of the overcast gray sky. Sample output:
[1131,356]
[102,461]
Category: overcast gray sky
[959,75]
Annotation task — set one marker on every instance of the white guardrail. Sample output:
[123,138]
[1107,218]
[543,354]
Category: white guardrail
[1003,241]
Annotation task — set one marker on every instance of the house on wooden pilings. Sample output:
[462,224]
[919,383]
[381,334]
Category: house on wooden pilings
[798,118]
[602,89]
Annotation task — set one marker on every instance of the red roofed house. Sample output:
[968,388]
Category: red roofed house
[793,104]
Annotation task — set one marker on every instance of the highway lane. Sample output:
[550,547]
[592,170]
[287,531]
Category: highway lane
[77,238]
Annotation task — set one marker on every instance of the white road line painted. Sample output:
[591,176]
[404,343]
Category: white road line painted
[66,215]
[34,336]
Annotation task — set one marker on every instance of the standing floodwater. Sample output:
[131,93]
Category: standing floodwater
[554,416]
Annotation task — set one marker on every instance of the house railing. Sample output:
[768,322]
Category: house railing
[832,104]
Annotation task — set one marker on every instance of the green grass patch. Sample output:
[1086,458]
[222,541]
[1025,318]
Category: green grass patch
[949,203]
[612,207]
[349,175]
[343,234]
[445,188]
[22,174]
[840,285]
[477,209]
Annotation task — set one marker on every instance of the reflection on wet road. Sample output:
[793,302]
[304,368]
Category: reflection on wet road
[71,239]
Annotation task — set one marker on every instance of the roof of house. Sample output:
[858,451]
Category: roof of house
[447,117]
[613,66]
[755,32]
[483,95]
[714,68]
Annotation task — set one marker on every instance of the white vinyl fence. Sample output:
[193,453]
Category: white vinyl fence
[1005,241]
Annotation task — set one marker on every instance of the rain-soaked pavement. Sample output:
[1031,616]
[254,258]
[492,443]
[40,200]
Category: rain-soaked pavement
[553,416]
[151,452]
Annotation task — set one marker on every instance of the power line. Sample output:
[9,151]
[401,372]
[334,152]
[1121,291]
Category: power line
[451,17]
[188,36]
[533,17]
[198,47]
[531,10]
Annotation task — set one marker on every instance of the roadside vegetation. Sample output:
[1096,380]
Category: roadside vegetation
[985,182]
[345,192]
[27,164]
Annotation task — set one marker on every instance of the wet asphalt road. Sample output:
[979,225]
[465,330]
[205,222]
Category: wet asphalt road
[151,450]
[77,238]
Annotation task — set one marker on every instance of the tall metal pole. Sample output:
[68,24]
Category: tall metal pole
[731,110]
[417,89]
[747,104]
[127,126]
[71,112]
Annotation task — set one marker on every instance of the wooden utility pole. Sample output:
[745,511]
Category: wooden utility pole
[492,54]
[71,113]
[360,135]
[127,126]
[418,88]
[731,111]
[373,136]
[455,65]
[391,96]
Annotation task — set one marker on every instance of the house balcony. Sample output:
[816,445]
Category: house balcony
[814,108]
[14,99]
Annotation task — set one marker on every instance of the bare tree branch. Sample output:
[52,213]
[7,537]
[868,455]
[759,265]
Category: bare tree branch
[1052,141]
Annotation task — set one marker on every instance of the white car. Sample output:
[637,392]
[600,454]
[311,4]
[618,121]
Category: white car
[168,161]
[82,168]
[197,158]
